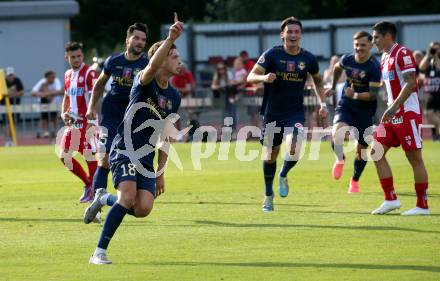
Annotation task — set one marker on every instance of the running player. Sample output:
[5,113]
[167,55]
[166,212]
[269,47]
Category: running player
[358,104]
[122,68]
[132,154]
[284,70]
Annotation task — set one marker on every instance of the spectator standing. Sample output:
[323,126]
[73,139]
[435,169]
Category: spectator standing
[222,86]
[430,66]
[185,84]
[15,92]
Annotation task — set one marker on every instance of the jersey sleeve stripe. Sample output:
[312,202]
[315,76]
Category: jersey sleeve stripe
[374,84]
[260,67]
[409,70]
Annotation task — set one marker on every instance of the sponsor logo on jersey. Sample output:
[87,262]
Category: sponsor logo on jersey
[388,75]
[290,66]
[75,92]
[398,120]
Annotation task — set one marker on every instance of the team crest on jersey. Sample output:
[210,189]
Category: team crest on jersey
[407,60]
[80,79]
[408,140]
[136,71]
[169,105]
[391,61]
[302,65]
[355,73]
[261,60]
[126,73]
[290,66]
[162,101]
[362,74]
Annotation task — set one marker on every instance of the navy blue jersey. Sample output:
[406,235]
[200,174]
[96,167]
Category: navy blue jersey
[285,96]
[361,75]
[148,104]
[122,72]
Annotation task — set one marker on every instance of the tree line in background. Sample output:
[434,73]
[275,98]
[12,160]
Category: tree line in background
[101,25]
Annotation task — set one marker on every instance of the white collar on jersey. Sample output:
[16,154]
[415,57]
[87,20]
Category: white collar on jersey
[392,48]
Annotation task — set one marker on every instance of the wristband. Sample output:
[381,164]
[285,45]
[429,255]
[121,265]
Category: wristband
[356,96]
[93,122]
[323,104]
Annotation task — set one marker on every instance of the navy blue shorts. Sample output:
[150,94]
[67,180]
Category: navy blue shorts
[107,134]
[273,133]
[360,122]
[124,170]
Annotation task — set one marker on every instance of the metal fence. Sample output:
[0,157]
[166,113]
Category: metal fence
[201,43]
[203,106]
[27,114]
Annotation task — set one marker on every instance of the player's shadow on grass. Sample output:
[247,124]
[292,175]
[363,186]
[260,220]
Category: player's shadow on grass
[395,214]
[413,195]
[307,265]
[231,203]
[347,227]
[41,220]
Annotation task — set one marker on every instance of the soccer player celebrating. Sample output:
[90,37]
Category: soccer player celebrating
[357,105]
[151,99]
[284,70]
[122,68]
[400,122]
[78,84]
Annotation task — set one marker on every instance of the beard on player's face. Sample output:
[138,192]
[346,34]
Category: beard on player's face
[76,63]
[135,47]
[135,50]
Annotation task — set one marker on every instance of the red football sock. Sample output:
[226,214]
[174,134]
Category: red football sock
[422,197]
[388,188]
[92,165]
[78,170]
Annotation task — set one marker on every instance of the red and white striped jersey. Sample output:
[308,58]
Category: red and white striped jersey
[78,86]
[394,63]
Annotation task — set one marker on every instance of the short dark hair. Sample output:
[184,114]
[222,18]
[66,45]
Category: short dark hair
[156,46]
[49,73]
[244,53]
[384,27]
[137,26]
[361,34]
[290,20]
[73,46]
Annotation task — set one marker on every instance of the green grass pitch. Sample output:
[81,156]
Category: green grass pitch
[209,225]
